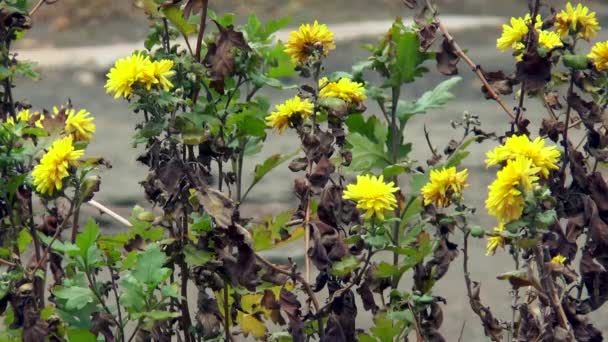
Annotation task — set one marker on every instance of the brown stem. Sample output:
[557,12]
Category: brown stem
[307,287]
[548,286]
[474,67]
[475,304]
[396,92]
[201,31]
[116,298]
[565,142]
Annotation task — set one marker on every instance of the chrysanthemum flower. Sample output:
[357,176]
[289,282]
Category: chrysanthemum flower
[372,195]
[444,185]
[125,73]
[344,89]
[26,116]
[495,241]
[580,21]
[80,125]
[53,167]
[599,55]
[158,73]
[549,40]
[512,36]
[506,196]
[291,109]
[308,40]
[558,259]
[545,158]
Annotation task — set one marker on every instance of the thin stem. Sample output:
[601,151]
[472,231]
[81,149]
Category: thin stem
[474,67]
[109,212]
[565,141]
[395,137]
[226,313]
[201,31]
[116,298]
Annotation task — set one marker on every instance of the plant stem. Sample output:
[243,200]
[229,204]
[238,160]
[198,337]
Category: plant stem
[226,313]
[116,298]
[201,31]
[395,139]
[565,142]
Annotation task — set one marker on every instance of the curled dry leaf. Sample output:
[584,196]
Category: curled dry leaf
[447,58]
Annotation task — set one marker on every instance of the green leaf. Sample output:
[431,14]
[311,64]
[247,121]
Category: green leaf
[196,257]
[176,17]
[576,62]
[385,329]
[81,335]
[405,315]
[76,297]
[87,244]
[408,57]
[282,66]
[27,69]
[386,270]
[261,170]
[367,155]
[149,266]
[132,296]
[435,98]
[345,266]
[23,240]
[156,315]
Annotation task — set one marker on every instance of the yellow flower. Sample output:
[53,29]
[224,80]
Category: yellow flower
[579,21]
[80,124]
[126,73]
[545,158]
[291,109]
[53,167]
[10,122]
[506,196]
[444,185]
[599,55]
[25,116]
[344,89]
[513,36]
[372,195]
[549,40]
[495,241]
[158,73]
[308,40]
[558,259]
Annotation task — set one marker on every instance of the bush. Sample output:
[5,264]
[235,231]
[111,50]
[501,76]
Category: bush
[195,87]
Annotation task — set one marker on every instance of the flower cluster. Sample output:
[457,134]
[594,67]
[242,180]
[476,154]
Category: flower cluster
[524,163]
[314,40]
[372,195]
[444,186]
[138,69]
[48,175]
[578,22]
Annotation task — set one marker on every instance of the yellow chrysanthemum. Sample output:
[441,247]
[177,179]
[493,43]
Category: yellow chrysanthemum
[444,185]
[599,55]
[558,259]
[344,89]
[506,196]
[580,21]
[80,125]
[10,121]
[549,40]
[53,168]
[285,112]
[545,158]
[158,73]
[372,194]
[513,36]
[308,40]
[495,241]
[125,73]
[25,116]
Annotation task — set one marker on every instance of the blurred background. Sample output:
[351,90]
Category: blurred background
[75,42]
